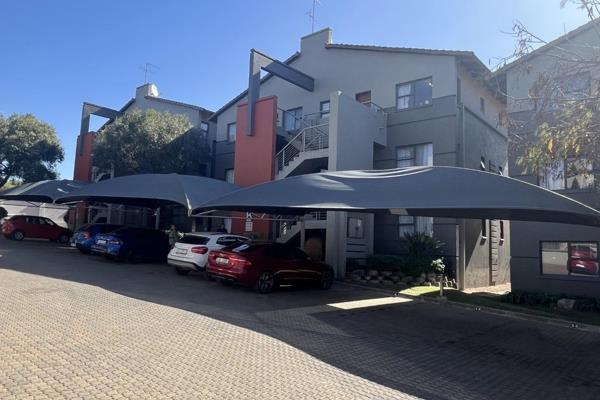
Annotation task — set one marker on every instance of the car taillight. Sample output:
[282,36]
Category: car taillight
[239,262]
[199,249]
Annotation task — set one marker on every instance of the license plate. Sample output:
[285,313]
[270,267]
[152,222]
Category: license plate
[101,241]
[221,260]
[73,244]
[181,252]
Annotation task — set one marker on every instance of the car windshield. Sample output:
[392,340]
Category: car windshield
[193,239]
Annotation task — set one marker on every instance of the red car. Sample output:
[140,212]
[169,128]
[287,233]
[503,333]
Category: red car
[584,261]
[265,265]
[20,227]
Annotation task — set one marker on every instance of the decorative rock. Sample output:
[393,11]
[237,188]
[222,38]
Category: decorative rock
[566,304]
[359,272]
[423,276]
[387,282]
[427,284]
[401,285]
[407,279]
[395,278]
[419,281]
[431,277]
[372,272]
[368,278]
[387,274]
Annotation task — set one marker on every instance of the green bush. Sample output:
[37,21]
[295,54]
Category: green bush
[385,261]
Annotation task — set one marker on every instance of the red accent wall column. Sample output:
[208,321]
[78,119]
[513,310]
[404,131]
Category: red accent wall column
[255,155]
[83,157]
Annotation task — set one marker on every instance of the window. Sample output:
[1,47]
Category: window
[482,105]
[501,171]
[203,126]
[484,229]
[355,228]
[231,132]
[230,175]
[418,155]
[324,109]
[482,165]
[501,231]
[570,259]
[410,156]
[572,174]
[408,225]
[413,94]
[364,97]
[292,119]
[458,91]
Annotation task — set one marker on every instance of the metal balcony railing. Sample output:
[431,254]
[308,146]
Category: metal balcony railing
[310,137]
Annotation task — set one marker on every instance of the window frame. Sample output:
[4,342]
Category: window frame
[229,138]
[296,119]
[565,175]
[413,94]
[323,114]
[569,276]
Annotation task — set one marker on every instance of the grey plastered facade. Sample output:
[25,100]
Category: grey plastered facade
[460,134]
[517,79]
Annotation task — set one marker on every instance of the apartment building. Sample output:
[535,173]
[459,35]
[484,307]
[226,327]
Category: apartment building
[147,97]
[378,107]
[554,258]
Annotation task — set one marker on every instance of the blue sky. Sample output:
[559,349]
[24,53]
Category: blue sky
[57,54]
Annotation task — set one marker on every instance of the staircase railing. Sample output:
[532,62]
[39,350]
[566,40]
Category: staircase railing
[311,137]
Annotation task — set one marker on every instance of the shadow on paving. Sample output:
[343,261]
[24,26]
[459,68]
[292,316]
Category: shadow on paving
[421,349]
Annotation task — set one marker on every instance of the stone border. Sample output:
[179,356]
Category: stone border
[563,323]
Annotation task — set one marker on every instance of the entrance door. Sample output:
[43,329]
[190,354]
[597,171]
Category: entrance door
[494,241]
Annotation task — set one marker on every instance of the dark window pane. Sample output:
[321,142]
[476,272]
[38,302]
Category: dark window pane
[193,239]
[423,92]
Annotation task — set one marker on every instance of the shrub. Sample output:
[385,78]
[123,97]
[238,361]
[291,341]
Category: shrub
[385,261]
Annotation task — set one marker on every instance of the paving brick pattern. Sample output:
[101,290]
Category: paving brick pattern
[79,327]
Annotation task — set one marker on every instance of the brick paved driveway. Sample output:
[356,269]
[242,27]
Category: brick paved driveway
[75,326]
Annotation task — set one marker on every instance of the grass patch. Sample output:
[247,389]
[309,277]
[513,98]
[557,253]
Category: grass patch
[493,301]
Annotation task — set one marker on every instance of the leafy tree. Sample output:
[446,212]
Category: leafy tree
[566,116]
[29,149]
[150,142]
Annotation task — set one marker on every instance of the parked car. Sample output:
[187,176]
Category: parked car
[84,237]
[19,227]
[190,253]
[584,261]
[265,265]
[132,244]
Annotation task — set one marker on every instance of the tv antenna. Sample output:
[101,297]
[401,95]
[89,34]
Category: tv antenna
[311,14]
[148,69]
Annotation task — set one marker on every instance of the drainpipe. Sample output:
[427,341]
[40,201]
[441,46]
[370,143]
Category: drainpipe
[462,245]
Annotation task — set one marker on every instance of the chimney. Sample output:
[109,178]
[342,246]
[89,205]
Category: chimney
[316,41]
[147,89]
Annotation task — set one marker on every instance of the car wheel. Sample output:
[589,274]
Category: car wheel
[182,271]
[265,283]
[64,238]
[326,279]
[18,235]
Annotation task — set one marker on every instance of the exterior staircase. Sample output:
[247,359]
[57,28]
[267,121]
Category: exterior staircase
[309,145]
[289,229]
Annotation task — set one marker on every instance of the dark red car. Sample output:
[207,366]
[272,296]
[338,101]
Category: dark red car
[584,261]
[265,265]
[19,227]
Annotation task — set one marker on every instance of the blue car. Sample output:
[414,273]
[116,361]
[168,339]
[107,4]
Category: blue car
[133,244]
[84,237]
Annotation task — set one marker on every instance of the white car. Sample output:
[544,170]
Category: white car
[190,253]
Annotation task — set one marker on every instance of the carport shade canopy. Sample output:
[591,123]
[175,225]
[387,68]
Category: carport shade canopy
[449,192]
[42,191]
[152,190]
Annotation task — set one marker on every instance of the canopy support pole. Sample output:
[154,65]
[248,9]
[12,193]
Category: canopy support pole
[157,218]
[302,232]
